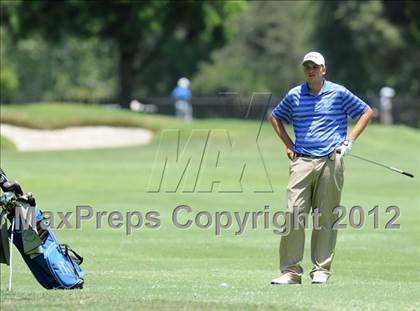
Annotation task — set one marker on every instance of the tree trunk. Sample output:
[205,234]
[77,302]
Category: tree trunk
[126,73]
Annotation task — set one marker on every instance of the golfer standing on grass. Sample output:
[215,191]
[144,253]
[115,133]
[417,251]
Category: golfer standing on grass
[318,110]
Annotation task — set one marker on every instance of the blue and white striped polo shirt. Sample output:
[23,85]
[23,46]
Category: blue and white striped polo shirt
[319,121]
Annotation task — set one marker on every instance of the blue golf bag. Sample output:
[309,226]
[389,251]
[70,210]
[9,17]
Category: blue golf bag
[58,266]
[54,265]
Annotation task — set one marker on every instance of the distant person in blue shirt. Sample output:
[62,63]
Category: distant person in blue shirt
[318,111]
[182,96]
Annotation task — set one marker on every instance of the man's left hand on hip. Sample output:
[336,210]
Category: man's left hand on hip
[345,148]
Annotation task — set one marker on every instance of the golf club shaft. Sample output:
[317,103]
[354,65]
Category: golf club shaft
[383,165]
[11,254]
[3,180]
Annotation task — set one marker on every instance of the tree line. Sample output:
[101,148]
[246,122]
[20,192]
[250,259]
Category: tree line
[135,49]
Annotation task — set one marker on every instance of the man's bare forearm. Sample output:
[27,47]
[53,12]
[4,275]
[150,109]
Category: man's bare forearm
[361,124]
[281,132]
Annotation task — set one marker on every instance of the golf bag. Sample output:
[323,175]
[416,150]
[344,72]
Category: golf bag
[54,265]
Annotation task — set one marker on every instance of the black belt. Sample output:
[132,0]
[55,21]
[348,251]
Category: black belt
[302,155]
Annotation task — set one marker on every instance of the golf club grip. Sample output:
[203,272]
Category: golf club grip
[408,174]
[3,177]
[2,173]
[12,185]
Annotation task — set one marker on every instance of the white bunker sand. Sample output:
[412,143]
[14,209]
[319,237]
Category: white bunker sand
[85,137]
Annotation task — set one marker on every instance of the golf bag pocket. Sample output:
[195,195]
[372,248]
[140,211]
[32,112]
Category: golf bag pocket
[54,265]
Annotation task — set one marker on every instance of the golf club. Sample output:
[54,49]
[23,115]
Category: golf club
[3,180]
[11,254]
[383,165]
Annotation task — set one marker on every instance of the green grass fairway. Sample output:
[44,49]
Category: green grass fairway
[173,269]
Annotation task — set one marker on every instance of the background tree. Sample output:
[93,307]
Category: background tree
[370,45]
[72,69]
[265,54]
[143,33]
[412,10]
[136,49]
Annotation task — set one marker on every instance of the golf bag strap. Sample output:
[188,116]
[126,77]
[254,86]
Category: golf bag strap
[67,249]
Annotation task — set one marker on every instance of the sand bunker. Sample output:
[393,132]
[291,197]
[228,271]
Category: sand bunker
[86,137]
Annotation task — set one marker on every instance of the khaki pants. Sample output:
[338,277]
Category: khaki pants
[316,184]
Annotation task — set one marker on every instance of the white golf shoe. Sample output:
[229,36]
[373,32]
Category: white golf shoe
[287,278]
[320,277]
